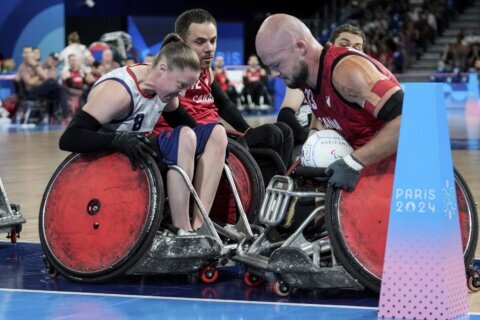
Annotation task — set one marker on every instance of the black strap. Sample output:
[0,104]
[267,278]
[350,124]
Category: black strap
[392,107]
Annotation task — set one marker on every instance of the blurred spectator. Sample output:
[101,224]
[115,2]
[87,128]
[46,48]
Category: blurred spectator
[474,58]
[473,37]
[446,57]
[221,78]
[40,83]
[8,65]
[460,51]
[149,58]
[255,81]
[95,74]
[108,64]
[130,61]
[50,65]
[37,54]
[74,79]
[84,55]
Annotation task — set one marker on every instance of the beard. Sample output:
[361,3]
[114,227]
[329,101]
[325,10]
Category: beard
[299,76]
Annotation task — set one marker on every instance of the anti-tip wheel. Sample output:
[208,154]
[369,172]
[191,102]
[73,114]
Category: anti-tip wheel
[252,280]
[281,288]
[209,274]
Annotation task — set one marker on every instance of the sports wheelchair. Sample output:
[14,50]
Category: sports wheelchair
[100,220]
[320,237]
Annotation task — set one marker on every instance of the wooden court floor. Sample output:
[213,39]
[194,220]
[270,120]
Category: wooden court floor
[29,158]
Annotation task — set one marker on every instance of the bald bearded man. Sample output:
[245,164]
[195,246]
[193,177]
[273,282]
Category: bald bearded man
[347,91]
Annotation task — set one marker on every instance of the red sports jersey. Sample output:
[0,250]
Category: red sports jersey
[198,102]
[357,124]
[254,75]
[76,79]
[221,79]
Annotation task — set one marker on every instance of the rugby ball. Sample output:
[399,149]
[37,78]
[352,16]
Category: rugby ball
[324,147]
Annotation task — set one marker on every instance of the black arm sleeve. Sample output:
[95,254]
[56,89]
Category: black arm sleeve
[227,109]
[287,115]
[392,107]
[81,135]
[179,116]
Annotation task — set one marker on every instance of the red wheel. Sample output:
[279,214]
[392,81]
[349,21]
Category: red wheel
[359,240]
[281,288]
[209,274]
[252,280]
[81,215]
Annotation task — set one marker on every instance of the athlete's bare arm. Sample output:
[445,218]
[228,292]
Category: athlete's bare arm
[357,80]
[293,99]
[108,101]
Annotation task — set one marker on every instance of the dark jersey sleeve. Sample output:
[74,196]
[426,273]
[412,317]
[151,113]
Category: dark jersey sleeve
[227,109]
[82,135]
[179,116]
[287,115]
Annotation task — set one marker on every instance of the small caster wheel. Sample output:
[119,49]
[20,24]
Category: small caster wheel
[51,271]
[281,288]
[473,278]
[252,280]
[474,282]
[209,274]
[14,233]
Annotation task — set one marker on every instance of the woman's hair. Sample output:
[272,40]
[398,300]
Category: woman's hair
[177,54]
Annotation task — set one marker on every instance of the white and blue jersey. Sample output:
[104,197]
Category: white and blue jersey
[144,109]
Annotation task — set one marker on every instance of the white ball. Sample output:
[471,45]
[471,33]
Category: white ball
[324,147]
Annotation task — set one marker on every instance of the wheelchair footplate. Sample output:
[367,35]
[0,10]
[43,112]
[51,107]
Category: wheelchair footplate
[297,270]
[177,255]
[294,261]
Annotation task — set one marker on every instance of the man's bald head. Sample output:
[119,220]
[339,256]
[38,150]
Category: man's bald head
[280,31]
[286,45]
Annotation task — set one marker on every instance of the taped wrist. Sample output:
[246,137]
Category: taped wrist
[353,162]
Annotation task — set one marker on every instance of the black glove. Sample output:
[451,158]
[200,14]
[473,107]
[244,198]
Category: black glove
[344,173]
[135,147]
[264,136]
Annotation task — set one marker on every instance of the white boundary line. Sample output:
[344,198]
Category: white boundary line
[188,299]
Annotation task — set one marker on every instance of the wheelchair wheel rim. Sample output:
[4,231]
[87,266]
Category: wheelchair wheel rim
[98,217]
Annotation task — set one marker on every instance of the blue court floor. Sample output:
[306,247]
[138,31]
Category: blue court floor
[26,292]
